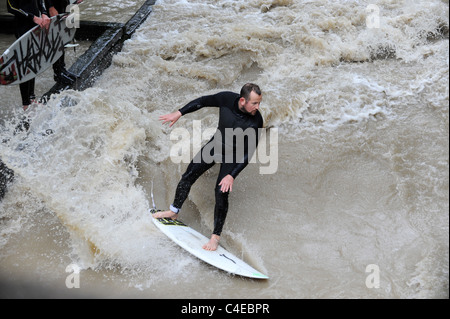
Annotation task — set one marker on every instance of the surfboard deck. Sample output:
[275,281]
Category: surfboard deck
[192,241]
[35,51]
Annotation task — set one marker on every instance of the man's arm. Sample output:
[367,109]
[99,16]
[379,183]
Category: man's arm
[249,148]
[49,3]
[43,21]
[192,106]
[14,8]
[215,100]
[226,184]
[51,8]
[238,167]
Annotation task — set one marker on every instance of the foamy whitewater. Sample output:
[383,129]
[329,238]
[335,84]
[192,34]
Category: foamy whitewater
[357,208]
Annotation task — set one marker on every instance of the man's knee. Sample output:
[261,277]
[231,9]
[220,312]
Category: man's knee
[220,193]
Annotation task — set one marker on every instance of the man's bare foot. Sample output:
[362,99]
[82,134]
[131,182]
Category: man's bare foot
[165,214]
[212,244]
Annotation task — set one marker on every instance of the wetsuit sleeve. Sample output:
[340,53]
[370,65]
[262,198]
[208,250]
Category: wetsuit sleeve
[239,167]
[216,100]
[248,153]
[49,3]
[14,8]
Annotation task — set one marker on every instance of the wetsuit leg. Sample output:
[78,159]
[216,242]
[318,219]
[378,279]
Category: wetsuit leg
[221,208]
[26,88]
[27,91]
[60,65]
[195,169]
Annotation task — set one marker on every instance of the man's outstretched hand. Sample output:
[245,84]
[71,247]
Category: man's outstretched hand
[172,118]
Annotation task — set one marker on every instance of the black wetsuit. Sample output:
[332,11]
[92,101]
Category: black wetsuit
[24,12]
[225,147]
[60,5]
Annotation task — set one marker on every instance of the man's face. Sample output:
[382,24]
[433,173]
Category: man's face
[252,105]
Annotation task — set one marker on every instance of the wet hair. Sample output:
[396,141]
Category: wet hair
[249,88]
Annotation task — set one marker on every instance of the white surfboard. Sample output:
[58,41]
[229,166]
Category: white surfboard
[192,241]
[35,51]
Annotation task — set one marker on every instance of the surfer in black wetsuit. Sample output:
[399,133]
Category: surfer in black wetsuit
[28,13]
[233,144]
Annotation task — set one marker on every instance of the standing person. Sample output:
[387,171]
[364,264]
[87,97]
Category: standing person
[28,14]
[61,75]
[238,113]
